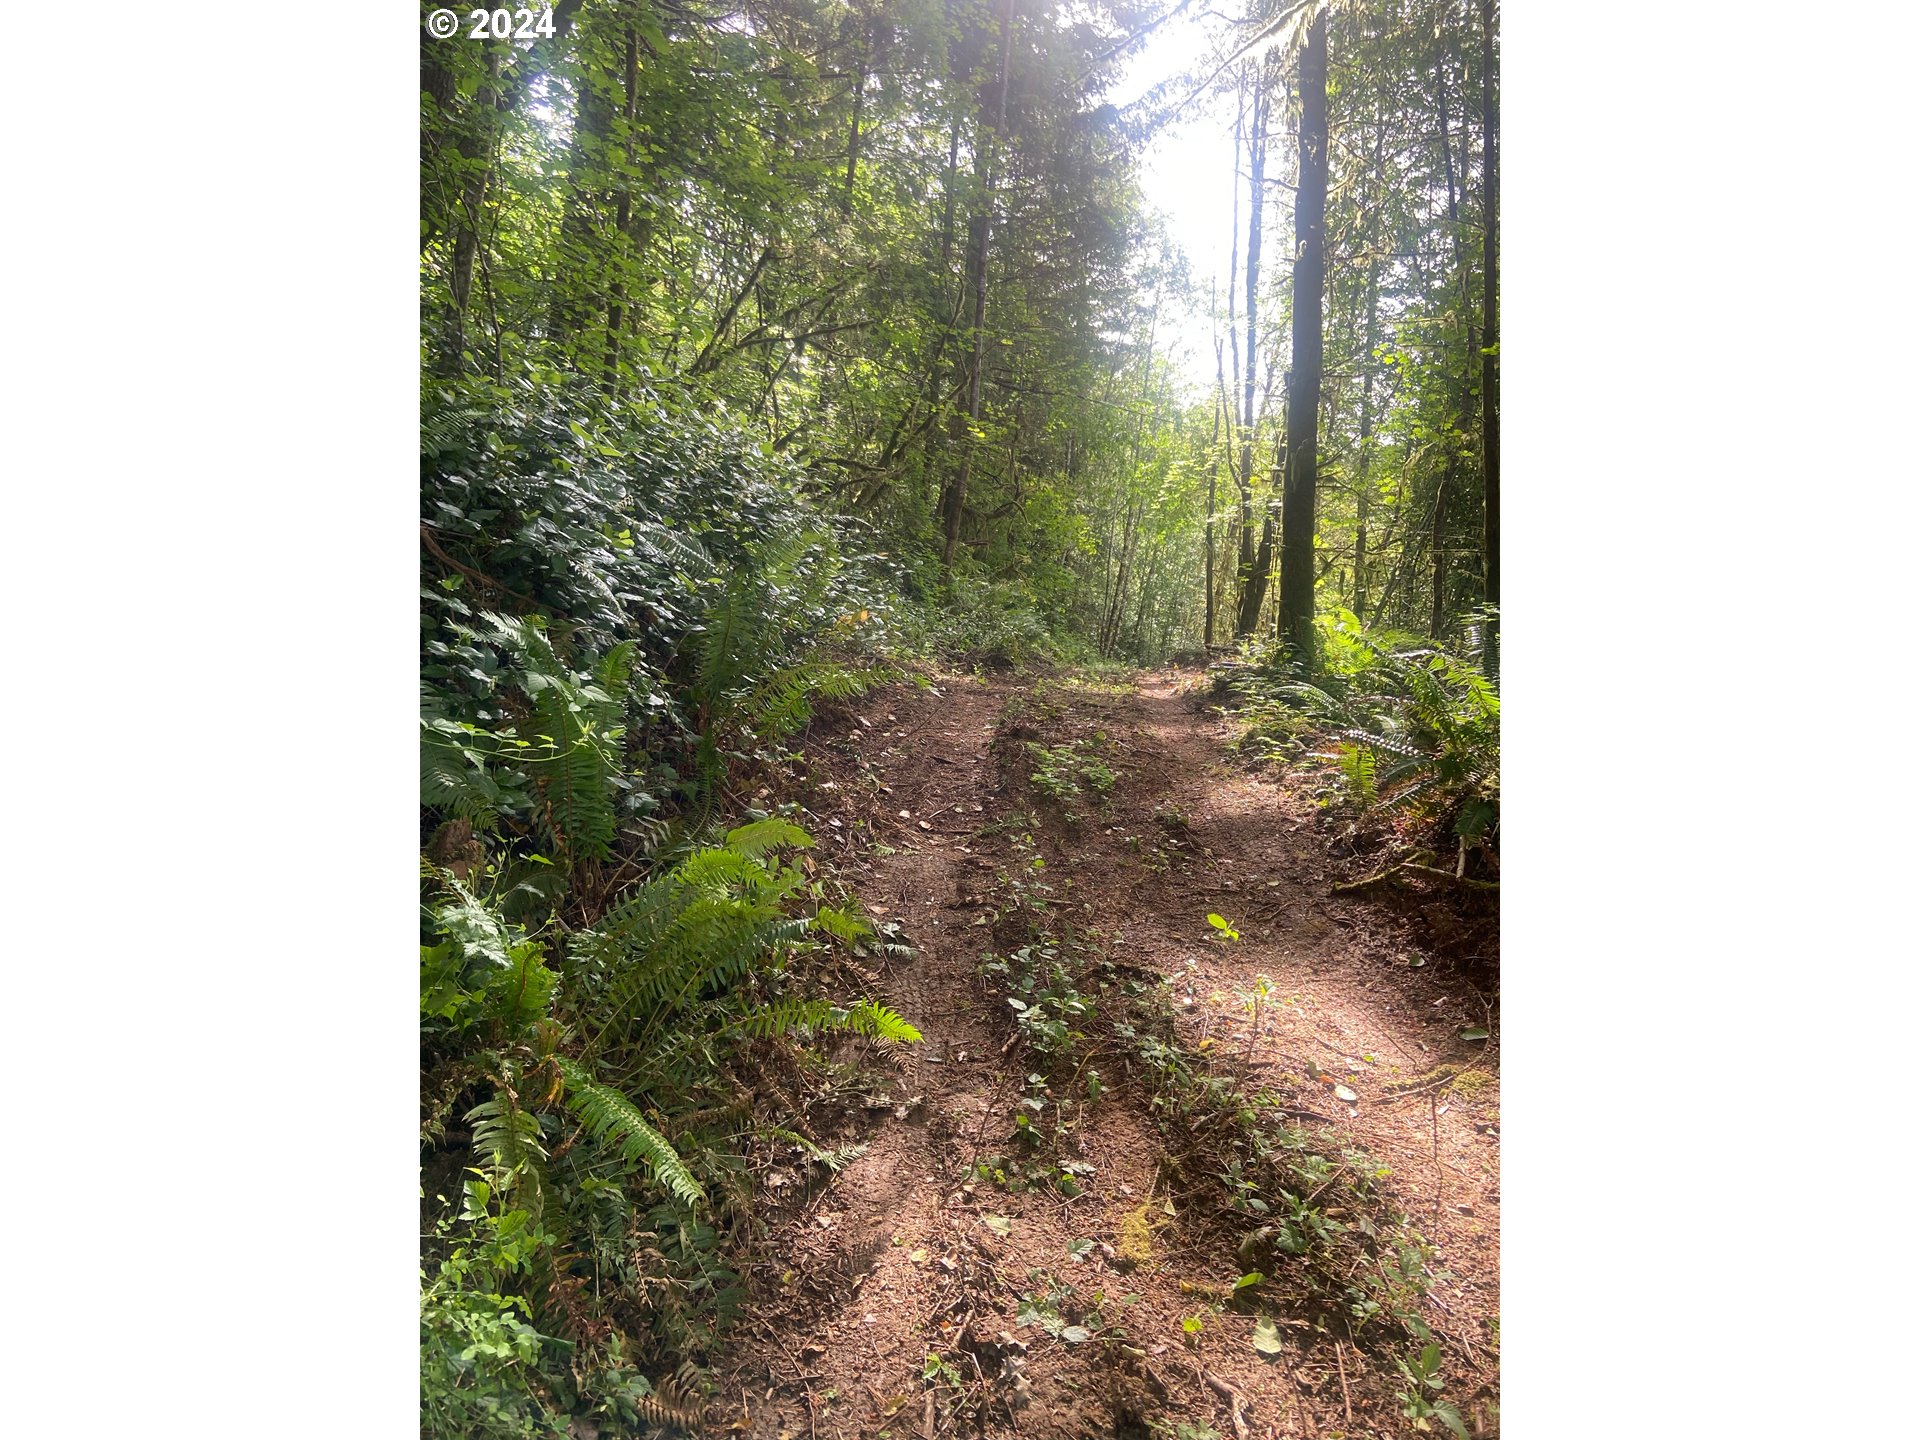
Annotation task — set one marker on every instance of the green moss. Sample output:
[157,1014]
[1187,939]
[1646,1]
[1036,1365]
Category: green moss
[1136,1236]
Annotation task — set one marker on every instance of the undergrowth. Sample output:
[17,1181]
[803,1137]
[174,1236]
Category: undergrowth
[1409,734]
[626,622]
[980,624]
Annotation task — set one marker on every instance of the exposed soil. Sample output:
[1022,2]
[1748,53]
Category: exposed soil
[910,1253]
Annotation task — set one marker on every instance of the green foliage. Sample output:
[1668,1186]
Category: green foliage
[1044,996]
[484,973]
[756,674]
[1358,771]
[864,1017]
[612,1118]
[1418,1401]
[691,425]
[507,1139]
[1047,1307]
[622,613]
[1415,731]
[683,936]
[1318,1218]
[799,273]
[756,838]
[623,1121]
[990,624]
[676,979]
[480,1357]
[1061,770]
[575,759]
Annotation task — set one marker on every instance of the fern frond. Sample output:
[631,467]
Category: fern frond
[843,923]
[507,1139]
[613,1119]
[668,546]
[718,872]
[615,669]
[836,1159]
[760,836]
[726,871]
[865,1017]
[670,946]
[454,773]
[784,701]
[661,1409]
[579,781]
[870,1017]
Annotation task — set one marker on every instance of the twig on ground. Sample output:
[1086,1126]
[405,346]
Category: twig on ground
[1432,1085]
[1439,1171]
[1235,1400]
[1294,1390]
[1407,866]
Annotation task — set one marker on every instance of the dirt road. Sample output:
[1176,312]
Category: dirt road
[963,1277]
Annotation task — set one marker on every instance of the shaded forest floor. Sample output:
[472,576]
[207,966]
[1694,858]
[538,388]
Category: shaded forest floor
[891,1302]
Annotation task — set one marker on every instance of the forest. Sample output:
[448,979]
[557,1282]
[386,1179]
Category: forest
[959,730]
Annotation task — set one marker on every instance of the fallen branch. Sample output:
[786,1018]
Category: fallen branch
[1408,866]
[1439,1083]
[1236,1402]
[427,539]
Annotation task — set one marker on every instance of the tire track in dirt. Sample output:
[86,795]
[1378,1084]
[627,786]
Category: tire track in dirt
[895,1259]
[869,1265]
[1344,998]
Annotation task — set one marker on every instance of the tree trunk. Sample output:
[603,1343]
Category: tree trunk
[439,84]
[1453,209]
[574,258]
[1140,605]
[853,136]
[953,181]
[1490,328]
[1254,594]
[1361,494]
[509,74]
[1437,628]
[1233,251]
[1303,391]
[1110,624]
[1213,481]
[623,220]
[983,238]
[1250,566]
[475,147]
